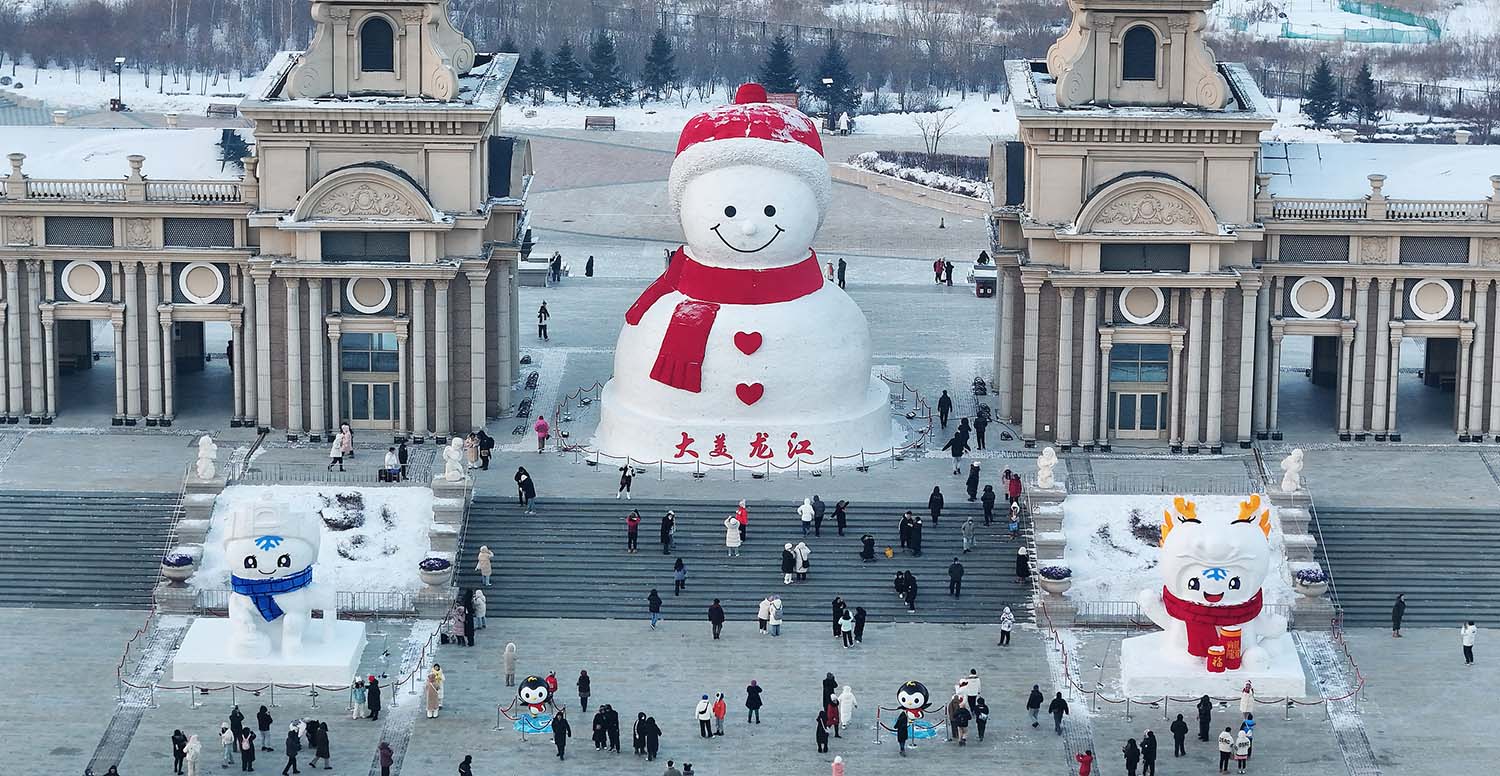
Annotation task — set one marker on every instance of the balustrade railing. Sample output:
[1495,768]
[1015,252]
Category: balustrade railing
[1438,210]
[1319,209]
[193,191]
[86,190]
[94,190]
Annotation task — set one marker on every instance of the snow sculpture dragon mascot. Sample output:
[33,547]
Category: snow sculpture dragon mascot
[271,552]
[1212,570]
[742,350]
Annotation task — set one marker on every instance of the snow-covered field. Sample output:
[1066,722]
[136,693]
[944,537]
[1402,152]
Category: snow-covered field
[871,161]
[83,90]
[1113,545]
[100,152]
[373,538]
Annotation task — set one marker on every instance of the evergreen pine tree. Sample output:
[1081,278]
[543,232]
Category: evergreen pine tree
[521,79]
[779,72]
[1321,99]
[1366,101]
[566,75]
[839,95]
[537,76]
[660,73]
[232,149]
[606,85]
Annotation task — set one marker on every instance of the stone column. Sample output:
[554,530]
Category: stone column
[1394,378]
[153,344]
[4,359]
[1106,343]
[1064,427]
[1475,428]
[419,358]
[244,347]
[1346,352]
[335,379]
[169,367]
[1379,416]
[403,425]
[1262,337]
[1461,382]
[505,333]
[1492,426]
[50,337]
[293,359]
[315,336]
[34,355]
[444,420]
[1087,426]
[237,336]
[1214,434]
[263,350]
[1032,288]
[515,306]
[1006,336]
[13,360]
[1248,287]
[1174,396]
[1192,427]
[1357,424]
[117,322]
[477,361]
[1273,410]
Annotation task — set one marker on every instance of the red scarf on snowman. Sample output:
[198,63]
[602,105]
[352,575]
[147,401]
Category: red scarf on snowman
[1203,621]
[679,362]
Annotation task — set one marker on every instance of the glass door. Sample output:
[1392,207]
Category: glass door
[371,404]
[1136,415]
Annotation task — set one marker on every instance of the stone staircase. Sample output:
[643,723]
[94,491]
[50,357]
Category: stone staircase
[569,560]
[81,550]
[1447,562]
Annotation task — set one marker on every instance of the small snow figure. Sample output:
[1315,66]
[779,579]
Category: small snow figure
[684,448]
[1045,463]
[1291,482]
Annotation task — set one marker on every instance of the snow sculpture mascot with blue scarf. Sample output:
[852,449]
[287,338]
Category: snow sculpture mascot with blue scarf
[271,553]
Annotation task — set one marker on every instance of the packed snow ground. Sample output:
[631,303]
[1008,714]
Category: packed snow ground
[1113,545]
[83,90]
[100,152]
[373,538]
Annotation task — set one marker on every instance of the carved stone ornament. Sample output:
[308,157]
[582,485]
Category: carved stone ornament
[1375,250]
[412,15]
[1489,250]
[363,200]
[137,233]
[1147,210]
[18,231]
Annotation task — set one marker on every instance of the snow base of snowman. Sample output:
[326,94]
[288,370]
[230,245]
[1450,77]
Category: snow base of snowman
[202,658]
[1153,665]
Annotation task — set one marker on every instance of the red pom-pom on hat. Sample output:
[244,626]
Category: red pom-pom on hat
[749,93]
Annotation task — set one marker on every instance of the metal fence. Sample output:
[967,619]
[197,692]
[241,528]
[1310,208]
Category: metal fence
[1128,614]
[1402,95]
[1164,484]
[351,603]
[364,472]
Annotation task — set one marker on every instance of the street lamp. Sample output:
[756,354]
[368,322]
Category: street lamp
[118,68]
[828,89]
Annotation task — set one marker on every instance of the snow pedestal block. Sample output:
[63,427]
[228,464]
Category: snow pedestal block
[1281,498]
[175,599]
[204,657]
[1047,518]
[1045,496]
[1313,614]
[1061,611]
[195,486]
[1152,666]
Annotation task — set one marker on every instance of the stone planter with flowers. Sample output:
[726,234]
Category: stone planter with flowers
[1055,580]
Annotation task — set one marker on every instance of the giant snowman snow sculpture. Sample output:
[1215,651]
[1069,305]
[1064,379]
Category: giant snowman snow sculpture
[1216,629]
[742,350]
[271,552]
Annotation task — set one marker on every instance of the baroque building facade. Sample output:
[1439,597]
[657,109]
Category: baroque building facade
[1155,255]
[365,261]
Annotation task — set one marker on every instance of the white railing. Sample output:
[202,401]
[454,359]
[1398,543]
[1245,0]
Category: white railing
[1443,210]
[93,190]
[1319,209]
[193,191]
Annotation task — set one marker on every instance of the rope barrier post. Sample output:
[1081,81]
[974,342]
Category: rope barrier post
[1164,700]
[1094,696]
[152,703]
[119,688]
[733,472]
[1289,702]
[234,695]
[799,469]
[272,702]
[830,466]
[192,696]
[1127,708]
[313,694]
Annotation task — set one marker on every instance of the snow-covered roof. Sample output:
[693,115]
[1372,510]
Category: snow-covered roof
[1033,87]
[482,87]
[100,152]
[1413,171]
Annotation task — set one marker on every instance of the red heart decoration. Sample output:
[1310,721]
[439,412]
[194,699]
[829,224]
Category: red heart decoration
[747,342]
[751,393]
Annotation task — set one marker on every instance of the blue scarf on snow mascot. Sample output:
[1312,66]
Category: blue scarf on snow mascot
[263,591]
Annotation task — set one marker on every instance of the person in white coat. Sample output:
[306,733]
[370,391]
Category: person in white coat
[485,564]
[191,753]
[732,539]
[847,705]
[1007,624]
[1466,635]
[1247,701]
[802,553]
[226,740]
[705,716]
[481,607]
[775,616]
[763,614]
[336,453]
[805,513]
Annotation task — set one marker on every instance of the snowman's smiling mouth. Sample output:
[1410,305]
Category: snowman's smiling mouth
[731,247]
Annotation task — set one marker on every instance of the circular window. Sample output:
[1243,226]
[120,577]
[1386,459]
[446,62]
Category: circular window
[1312,297]
[1141,305]
[201,282]
[1431,299]
[368,295]
[84,281]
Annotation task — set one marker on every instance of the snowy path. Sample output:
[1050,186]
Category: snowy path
[1334,680]
[401,713]
[138,696]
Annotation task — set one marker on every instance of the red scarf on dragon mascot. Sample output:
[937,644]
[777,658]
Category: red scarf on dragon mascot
[1203,621]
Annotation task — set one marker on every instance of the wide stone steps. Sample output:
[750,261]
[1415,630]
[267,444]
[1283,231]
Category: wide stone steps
[1446,562]
[569,560]
[81,550]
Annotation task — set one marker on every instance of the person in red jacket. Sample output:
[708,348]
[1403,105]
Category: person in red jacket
[1013,488]
[1086,762]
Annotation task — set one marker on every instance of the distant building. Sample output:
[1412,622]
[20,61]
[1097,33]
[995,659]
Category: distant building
[1154,254]
[364,261]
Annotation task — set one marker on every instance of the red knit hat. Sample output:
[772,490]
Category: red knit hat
[751,131]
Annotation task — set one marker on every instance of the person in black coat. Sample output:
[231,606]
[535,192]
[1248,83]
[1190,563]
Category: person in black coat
[638,734]
[179,750]
[972,483]
[867,548]
[819,509]
[821,734]
[1205,717]
[838,614]
[653,606]
[1034,704]
[237,722]
[788,564]
[293,748]
[1148,754]
[1132,756]
[612,727]
[945,406]
[652,735]
[1023,565]
[905,529]
[911,592]
[955,578]
[900,584]
[981,715]
[465,768]
[841,515]
[1058,708]
[935,503]
[525,487]
[1398,610]
[902,730]
[981,422]
[859,624]
[1179,735]
[830,688]
[987,500]
[915,542]
[948,272]
[263,721]
[469,618]
[403,455]
[560,732]
[585,689]
[716,618]
[668,522]
[956,447]
[753,703]
[372,698]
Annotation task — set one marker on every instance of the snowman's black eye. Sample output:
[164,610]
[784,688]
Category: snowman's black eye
[770,210]
[1193,583]
[730,211]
